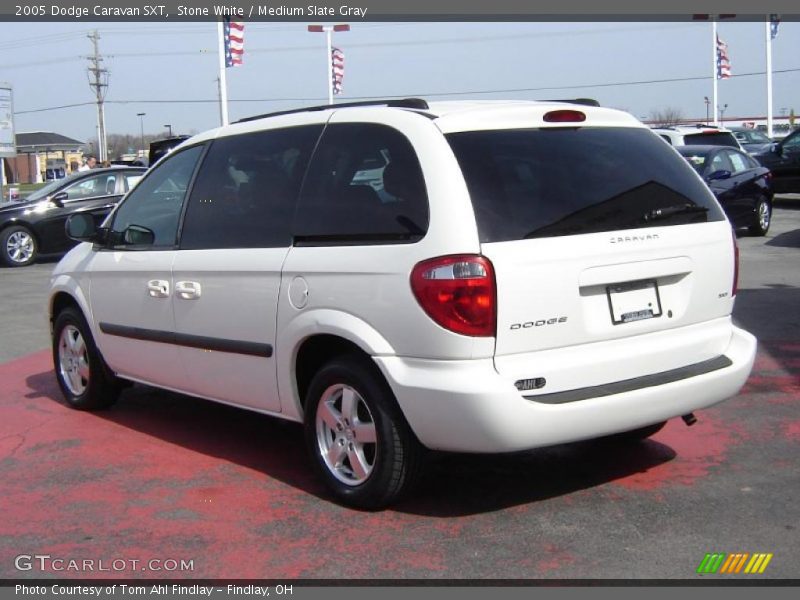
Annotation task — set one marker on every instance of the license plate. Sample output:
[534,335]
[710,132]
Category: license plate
[633,301]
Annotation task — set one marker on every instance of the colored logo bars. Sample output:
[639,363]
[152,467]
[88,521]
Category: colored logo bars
[722,563]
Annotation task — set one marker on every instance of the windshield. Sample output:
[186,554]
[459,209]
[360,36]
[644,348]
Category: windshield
[564,181]
[754,137]
[696,159]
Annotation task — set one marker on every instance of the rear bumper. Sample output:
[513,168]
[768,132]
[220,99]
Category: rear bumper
[466,406]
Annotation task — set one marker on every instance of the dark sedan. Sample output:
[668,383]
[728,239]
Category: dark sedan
[783,159]
[36,226]
[742,186]
[752,140]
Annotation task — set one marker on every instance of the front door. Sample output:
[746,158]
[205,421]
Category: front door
[131,278]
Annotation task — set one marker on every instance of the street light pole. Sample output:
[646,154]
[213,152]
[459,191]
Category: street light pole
[168,126]
[708,105]
[722,110]
[141,125]
[327,29]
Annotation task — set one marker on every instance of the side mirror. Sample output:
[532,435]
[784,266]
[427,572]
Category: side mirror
[721,174]
[776,148]
[81,227]
[136,235]
[58,199]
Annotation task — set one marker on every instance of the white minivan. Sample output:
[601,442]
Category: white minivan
[529,274]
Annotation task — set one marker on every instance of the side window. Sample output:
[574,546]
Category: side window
[155,204]
[364,184]
[720,162]
[101,185]
[738,161]
[131,179]
[246,190]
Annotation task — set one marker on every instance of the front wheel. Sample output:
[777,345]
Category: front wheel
[763,217]
[17,246]
[358,440]
[82,375]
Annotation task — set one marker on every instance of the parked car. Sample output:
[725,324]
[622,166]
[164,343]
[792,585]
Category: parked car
[36,226]
[537,273]
[751,140]
[697,135]
[783,159]
[742,186]
[160,148]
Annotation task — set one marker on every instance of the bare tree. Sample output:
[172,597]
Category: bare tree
[666,117]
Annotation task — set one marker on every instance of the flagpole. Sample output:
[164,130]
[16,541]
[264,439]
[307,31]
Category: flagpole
[328,69]
[768,37]
[223,83]
[714,68]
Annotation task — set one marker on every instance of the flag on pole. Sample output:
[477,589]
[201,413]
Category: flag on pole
[337,69]
[233,39]
[723,60]
[774,21]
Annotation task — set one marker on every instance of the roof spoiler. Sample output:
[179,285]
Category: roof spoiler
[582,101]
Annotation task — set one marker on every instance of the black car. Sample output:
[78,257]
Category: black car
[752,140]
[36,225]
[163,147]
[783,159]
[742,186]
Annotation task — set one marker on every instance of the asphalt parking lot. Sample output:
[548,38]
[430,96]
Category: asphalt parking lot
[168,477]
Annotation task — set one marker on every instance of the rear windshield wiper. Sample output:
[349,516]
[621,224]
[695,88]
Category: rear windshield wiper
[668,211]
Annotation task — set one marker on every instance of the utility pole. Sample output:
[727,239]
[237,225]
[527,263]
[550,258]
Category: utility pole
[98,81]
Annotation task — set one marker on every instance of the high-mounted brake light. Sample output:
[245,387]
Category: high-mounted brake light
[458,292]
[564,116]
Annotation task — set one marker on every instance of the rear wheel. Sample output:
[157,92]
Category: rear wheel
[358,440]
[82,375]
[763,217]
[17,246]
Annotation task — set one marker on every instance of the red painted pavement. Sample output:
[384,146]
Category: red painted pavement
[161,476]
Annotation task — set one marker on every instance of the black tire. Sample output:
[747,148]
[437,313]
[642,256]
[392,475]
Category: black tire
[18,247]
[84,378]
[636,435]
[389,465]
[763,217]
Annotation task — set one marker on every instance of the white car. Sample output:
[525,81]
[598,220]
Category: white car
[698,135]
[535,273]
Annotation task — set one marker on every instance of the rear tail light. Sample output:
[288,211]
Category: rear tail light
[735,287]
[564,116]
[458,293]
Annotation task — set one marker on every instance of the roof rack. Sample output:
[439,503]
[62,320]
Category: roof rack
[417,103]
[583,101]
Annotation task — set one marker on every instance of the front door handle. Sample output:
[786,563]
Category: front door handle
[158,288]
[188,290]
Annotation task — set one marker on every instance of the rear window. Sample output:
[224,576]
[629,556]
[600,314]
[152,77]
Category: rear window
[715,138]
[528,183]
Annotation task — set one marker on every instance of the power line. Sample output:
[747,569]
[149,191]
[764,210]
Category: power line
[415,94]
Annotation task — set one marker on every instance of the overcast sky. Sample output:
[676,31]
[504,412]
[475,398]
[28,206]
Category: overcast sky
[284,67]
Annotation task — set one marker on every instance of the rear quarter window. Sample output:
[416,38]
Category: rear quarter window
[364,185]
[528,183]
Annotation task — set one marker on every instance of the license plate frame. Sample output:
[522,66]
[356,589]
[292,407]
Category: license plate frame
[633,301]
